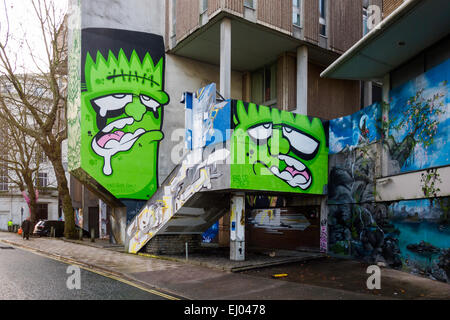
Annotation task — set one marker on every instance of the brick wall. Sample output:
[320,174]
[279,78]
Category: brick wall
[389,6]
[173,244]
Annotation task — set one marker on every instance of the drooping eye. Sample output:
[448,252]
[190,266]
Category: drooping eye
[119,96]
[301,143]
[149,102]
[261,132]
[112,102]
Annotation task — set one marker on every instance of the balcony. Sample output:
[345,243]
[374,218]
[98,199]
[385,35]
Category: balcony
[259,34]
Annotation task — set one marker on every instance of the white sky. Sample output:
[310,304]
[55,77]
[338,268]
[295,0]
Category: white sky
[23,24]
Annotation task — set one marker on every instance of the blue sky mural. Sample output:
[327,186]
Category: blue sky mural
[356,129]
[421,109]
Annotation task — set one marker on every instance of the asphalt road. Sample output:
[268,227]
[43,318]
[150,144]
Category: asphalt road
[28,276]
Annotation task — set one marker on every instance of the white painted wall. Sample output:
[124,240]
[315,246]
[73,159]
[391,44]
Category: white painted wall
[10,208]
[138,15]
[409,186]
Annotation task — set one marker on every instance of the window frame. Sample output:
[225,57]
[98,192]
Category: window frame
[4,178]
[203,6]
[250,6]
[297,10]
[365,29]
[271,102]
[41,178]
[323,17]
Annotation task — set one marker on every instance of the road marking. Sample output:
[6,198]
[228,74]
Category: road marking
[87,268]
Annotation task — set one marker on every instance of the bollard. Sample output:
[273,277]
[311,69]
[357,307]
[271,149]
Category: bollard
[187,255]
[52,232]
[92,235]
[81,234]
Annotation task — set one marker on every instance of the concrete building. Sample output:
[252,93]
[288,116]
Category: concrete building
[267,52]
[277,50]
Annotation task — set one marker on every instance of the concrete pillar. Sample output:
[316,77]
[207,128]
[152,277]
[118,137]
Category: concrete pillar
[302,80]
[237,227]
[385,117]
[368,93]
[225,58]
[225,87]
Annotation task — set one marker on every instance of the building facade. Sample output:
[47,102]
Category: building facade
[267,52]
[13,202]
[389,188]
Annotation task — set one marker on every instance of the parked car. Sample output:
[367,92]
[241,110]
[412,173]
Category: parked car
[43,229]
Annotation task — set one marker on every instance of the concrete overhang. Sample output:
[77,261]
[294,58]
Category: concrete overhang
[411,28]
[253,45]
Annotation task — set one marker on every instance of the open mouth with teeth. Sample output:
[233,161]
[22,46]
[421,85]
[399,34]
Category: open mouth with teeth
[113,139]
[111,136]
[287,168]
[293,172]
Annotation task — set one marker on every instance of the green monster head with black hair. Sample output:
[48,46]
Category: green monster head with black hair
[278,150]
[122,121]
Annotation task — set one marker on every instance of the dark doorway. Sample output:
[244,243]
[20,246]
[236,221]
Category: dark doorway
[93,221]
[42,211]
[288,228]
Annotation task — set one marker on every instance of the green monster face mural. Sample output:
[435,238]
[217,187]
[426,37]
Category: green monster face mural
[122,120]
[278,151]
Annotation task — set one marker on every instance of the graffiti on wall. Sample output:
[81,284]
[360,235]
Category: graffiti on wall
[323,236]
[188,179]
[122,99]
[358,129]
[406,234]
[78,213]
[277,150]
[278,219]
[103,219]
[352,177]
[419,122]
[412,235]
[211,235]
[207,121]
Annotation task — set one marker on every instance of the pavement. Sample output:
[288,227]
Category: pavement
[193,279]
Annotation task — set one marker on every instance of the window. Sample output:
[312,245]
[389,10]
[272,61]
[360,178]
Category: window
[264,86]
[322,18]
[3,178]
[203,6]
[42,180]
[296,11]
[249,4]
[42,157]
[365,28]
[174,18]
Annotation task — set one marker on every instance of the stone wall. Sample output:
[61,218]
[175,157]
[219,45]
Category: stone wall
[173,244]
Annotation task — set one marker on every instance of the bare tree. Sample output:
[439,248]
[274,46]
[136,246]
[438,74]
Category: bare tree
[19,155]
[41,94]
